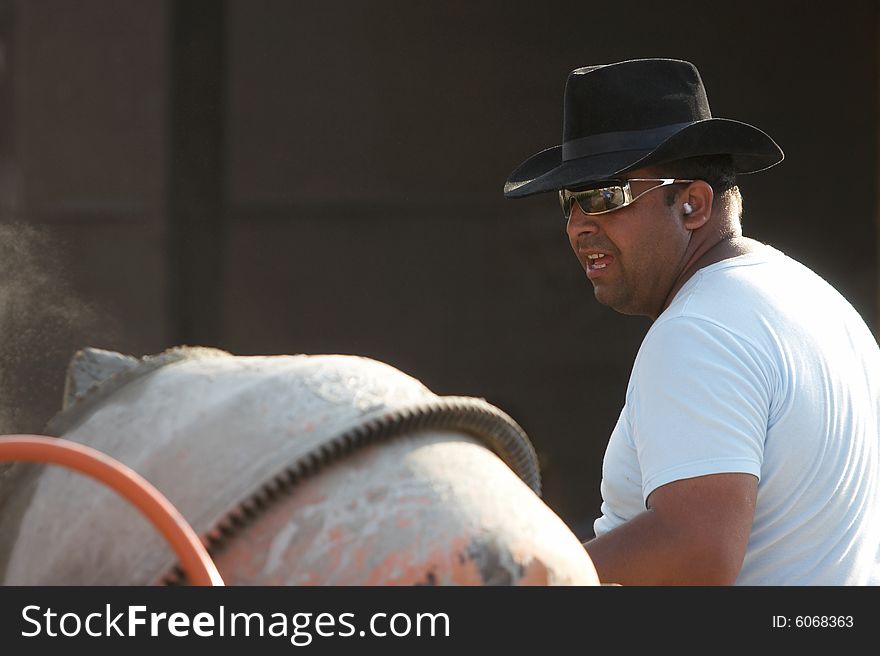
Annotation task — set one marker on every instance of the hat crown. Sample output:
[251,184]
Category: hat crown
[635,114]
[637,94]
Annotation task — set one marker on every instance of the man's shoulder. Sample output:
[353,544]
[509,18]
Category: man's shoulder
[745,300]
[763,286]
[768,304]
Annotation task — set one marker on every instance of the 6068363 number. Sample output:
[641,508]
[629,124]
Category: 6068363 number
[823,621]
[813,621]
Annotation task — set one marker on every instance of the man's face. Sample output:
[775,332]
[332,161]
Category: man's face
[642,247]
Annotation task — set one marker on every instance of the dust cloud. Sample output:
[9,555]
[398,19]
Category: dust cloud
[43,322]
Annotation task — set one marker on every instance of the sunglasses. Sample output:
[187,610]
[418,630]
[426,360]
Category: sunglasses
[613,195]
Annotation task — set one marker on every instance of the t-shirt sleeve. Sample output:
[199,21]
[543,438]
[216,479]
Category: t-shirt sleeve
[698,403]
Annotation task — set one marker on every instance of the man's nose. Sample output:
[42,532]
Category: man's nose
[580,223]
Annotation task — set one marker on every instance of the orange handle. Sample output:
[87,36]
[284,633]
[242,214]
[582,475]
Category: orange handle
[193,556]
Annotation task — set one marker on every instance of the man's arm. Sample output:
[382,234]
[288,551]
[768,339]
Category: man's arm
[694,532]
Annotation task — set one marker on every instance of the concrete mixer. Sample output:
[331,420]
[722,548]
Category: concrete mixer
[292,470]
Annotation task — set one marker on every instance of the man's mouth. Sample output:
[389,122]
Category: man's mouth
[598,261]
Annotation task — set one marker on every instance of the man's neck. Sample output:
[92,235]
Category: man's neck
[730,245]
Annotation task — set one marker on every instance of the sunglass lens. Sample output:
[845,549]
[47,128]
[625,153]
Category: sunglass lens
[602,200]
[565,203]
[593,201]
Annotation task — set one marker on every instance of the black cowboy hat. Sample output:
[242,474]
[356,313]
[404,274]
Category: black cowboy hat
[632,114]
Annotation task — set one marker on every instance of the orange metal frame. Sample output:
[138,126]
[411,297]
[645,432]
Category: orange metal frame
[193,556]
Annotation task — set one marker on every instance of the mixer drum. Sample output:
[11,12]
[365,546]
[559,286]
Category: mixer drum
[296,470]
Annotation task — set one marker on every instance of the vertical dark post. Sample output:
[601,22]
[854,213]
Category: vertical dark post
[196,169]
[8,169]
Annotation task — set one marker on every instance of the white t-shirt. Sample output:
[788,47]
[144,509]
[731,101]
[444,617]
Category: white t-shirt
[760,366]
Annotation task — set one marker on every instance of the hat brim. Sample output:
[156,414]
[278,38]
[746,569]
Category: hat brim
[751,149]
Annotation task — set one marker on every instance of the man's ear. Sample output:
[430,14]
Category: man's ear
[696,203]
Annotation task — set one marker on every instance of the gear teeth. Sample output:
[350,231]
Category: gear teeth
[274,489]
[226,526]
[313,461]
[407,421]
[261,500]
[302,469]
[343,446]
[358,435]
[327,451]
[175,577]
[474,416]
[246,509]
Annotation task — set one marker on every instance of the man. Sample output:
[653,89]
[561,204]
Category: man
[747,449]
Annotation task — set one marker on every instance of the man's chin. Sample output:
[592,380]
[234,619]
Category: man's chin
[611,300]
[604,295]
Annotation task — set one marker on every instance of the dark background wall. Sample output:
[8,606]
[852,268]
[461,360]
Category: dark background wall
[325,177]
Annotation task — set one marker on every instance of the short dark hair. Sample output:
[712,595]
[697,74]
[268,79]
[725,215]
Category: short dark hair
[717,170]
